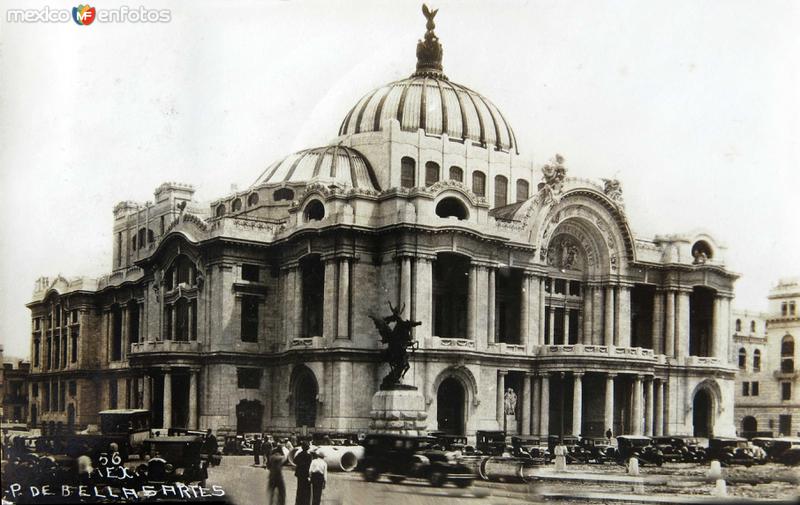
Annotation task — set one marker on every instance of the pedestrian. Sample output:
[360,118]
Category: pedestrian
[302,462]
[318,473]
[257,451]
[266,448]
[275,482]
[608,433]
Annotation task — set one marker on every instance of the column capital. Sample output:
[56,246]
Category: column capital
[611,375]
[578,375]
[502,373]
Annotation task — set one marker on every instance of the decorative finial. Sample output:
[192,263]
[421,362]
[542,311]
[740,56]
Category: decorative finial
[429,50]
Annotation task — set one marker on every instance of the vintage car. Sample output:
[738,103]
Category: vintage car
[530,447]
[127,427]
[595,450]
[784,450]
[174,459]
[735,451]
[682,448]
[449,442]
[402,456]
[210,450]
[490,443]
[639,447]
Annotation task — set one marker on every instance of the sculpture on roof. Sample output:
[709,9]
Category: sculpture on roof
[399,340]
[553,174]
[429,50]
[613,190]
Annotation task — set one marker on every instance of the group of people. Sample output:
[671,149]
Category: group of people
[311,473]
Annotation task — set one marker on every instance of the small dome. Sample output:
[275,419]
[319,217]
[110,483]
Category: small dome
[333,164]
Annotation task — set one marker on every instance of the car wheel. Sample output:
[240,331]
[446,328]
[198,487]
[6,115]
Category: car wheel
[371,474]
[397,479]
[437,478]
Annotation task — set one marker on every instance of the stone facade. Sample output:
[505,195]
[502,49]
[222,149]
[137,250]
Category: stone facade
[764,346]
[252,313]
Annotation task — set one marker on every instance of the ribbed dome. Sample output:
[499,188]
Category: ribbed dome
[435,104]
[335,164]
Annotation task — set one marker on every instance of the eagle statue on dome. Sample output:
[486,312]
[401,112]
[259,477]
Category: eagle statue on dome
[429,15]
[429,50]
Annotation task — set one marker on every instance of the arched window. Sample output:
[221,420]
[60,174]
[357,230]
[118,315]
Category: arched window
[408,170]
[133,242]
[479,183]
[451,207]
[742,358]
[500,191]
[182,271]
[756,360]
[787,354]
[738,325]
[315,211]
[431,173]
[151,237]
[220,210]
[252,199]
[236,205]
[456,174]
[182,320]
[752,326]
[283,194]
[522,190]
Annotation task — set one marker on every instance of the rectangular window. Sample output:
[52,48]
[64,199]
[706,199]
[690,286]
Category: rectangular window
[250,272]
[248,378]
[754,388]
[786,390]
[783,309]
[574,288]
[561,286]
[46,396]
[792,308]
[745,389]
[35,390]
[73,388]
[36,351]
[548,285]
[785,424]
[74,316]
[250,318]
[62,396]
[37,323]
[74,356]
[161,226]
[112,394]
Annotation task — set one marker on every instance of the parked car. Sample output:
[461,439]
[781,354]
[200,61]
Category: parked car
[682,448]
[596,450]
[734,451]
[491,443]
[449,442]
[129,428]
[639,447]
[572,443]
[530,447]
[783,450]
[403,456]
[175,459]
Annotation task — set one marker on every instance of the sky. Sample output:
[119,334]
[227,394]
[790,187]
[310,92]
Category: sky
[692,105]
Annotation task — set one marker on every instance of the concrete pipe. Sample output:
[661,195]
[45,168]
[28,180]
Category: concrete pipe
[341,458]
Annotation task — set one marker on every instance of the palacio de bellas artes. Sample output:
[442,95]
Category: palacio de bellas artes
[253,312]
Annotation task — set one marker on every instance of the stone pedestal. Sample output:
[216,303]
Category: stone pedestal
[399,411]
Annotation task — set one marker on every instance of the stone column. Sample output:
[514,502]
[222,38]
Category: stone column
[669,336]
[682,324]
[472,301]
[660,407]
[608,413]
[624,316]
[193,399]
[608,320]
[597,315]
[146,392]
[636,422]
[423,297]
[524,313]
[551,338]
[717,332]
[544,412]
[298,303]
[343,295]
[577,403]
[658,322]
[526,405]
[536,402]
[405,283]
[565,339]
[123,333]
[173,331]
[648,409]
[490,319]
[167,423]
[501,387]
[541,337]
[586,329]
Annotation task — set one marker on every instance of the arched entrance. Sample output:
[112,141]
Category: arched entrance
[701,413]
[749,424]
[450,402]
[305,395]
[249,414]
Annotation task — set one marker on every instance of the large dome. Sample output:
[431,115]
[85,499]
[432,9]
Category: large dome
[435,104]
[428,100]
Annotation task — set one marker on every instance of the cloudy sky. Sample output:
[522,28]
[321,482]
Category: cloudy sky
[693,105]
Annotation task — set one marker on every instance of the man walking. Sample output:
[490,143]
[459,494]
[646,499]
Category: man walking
[318,473]
[302,461]
[257,451]
[275,483]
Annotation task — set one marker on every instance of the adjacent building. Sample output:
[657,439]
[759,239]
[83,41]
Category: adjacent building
[14,390]
[764,345]
[252,312]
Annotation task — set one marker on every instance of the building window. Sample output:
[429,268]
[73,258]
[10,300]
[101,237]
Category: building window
[250,272]
[450,295]
[500,191]
[161,225]
[119,249]
[745,389]
[738,325]
[522,190]
[252,200]
[36,344]
[784,308]
[236,205]
[182,320]
[752,326]
[431,173]
[479,183]
[451,207]
[312,273]
[754,389]
[742,359]
[786,391]
[315,211]
[787,354]
[561,286]
[116,333]
[756,360]
[35,390]
[283,194]
[248,378]
[250,318]
[792,309]
[785,424]
[408,170]
[456,174]
[220,210]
